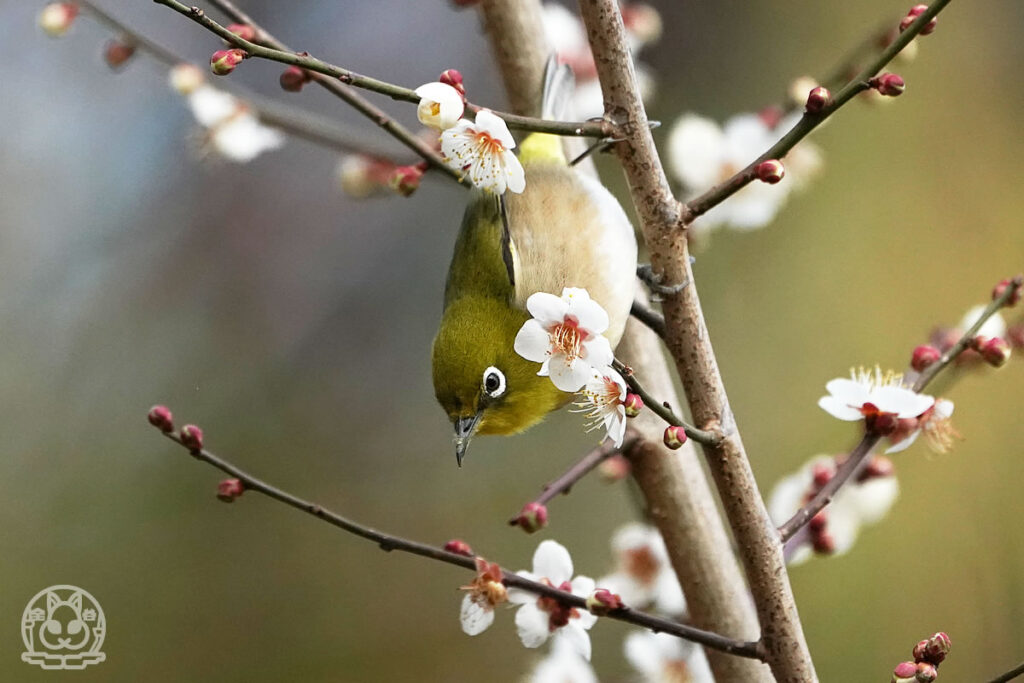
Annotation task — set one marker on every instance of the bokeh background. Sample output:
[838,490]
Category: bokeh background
[294,323]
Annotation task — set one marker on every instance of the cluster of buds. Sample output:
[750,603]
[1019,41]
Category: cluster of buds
[890,85]
[57,17]
[913,14]
[223,62]
[532,518]
[117,52]
[928,654]
[995,351]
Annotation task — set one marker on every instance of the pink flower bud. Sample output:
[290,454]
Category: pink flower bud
[161,418]
[935,648]
[996,351]
[924,356]
[1015,335]
[603,601]
[818,99]
[821,473]
[633,405]
[818,522]
[674,437]
[823,543]
[243,31]
[926,672]
[1000,289]
[533,517]
[878,467]
[117,52]
[57,17]
[890,85]
[293,78]
[229,489]
[919,652]
[615,468]
[453,77]
[905,672]
[405,180]
[914,13]
[459,547]
[192,438]
[770,171]
[224,62]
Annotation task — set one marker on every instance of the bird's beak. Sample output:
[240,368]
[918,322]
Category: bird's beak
[465,427]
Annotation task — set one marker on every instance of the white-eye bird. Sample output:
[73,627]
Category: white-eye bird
[564,230]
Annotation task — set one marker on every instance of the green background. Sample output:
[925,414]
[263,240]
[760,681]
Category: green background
[293,324]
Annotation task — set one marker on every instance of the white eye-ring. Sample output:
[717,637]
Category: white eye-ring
[494,382]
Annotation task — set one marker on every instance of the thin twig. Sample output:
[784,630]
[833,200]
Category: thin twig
[663,410]
[809,121]
[858,457]
[649,317]
[388,542]
[1009,675]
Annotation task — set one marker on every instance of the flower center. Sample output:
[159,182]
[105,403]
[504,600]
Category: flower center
[641,564]
[558,614]
[676,671]
[567,338]
[486,145]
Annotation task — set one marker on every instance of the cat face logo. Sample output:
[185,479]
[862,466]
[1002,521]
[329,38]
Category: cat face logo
[63,628]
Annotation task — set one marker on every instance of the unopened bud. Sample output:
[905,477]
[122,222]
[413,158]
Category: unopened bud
[996,351]
[293,78]
[926,672]
[905,672]
[615,468]
[1000,289]
[642,21]
[770,171]
[878,467]
[823,543]
[914,13]
[890,85]
[453,77]
[818,99]
[935,648]
[818,522]
[224,62]
[919,652]
[603,601]
[185,79]
[117,52]
[192,438]
[1015,335]
[57,17]
[229,489]
[924,356]
[161,418]
[675,436]
[633,405]
[243,31]
[459,547]
[405,180]
[821,473]
[533,517]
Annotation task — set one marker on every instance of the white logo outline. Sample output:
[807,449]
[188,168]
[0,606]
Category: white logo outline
[53,645]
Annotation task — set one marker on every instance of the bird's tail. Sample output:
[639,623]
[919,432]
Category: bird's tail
[556,104]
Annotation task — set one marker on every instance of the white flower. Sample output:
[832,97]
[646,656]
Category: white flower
[872,393]
[486,591]
[235,132]
[440,105]
[185,78]
[483,148]
[564,335]
[993,327]
[604,397]
[934,423]
[562,665]
[542,617]
[664,658]
[643,573]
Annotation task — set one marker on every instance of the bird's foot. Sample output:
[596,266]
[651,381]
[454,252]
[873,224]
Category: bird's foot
[656,282]
[604,143]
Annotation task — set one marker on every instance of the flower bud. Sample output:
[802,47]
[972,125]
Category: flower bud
[996,351]
[57,17]
[823,543]
[224,62]
[905,672]
[818,522]
[642,21]
[926,672]
[919,652]
[890,85]
[878,467]
[818,99]
[161,418]
[615,468]
[361,176]
[192,438]
[459,547]
[229,489]
[185,79]
[770,171]
[243,31]
[117,52]
[633,405]
[821,473]
[924,356]
[1000,289]
[1015,335]
[533,517]
[293,78]
[914,13]
[453,77]
[405,179]
[935,648]
[603,601]
[675,436]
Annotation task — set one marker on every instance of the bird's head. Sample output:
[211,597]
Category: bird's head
[483,385]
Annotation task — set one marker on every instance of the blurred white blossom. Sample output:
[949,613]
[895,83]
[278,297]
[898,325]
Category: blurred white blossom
[233,130]
[643,574]
[664,658]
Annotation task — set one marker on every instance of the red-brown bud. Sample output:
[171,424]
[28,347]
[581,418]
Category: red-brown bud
[405,180]
[614,468]
[117,52]
[229,489]
[890,85]
[224,62]
[823,543]
[905,672]
[924,356]
[57,17]
[674,437]
[243,31]
[459,547]
[1000,289]
[935,648]
[1015,335]
[161,418]
[914,13]
[453,77]
[926,672]
[533,517]
[818,99]
[996,351]
[821,473]
[293,78]
[633,405]
[192,438]
[603,601]
[818,522]
[770,171]
[879,466]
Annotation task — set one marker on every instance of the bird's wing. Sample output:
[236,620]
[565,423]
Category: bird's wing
[483,260]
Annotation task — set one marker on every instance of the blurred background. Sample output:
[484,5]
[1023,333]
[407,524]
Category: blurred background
[293,323]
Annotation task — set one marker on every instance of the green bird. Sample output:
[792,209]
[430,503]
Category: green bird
[565,230]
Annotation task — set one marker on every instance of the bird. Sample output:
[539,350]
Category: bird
[565,230]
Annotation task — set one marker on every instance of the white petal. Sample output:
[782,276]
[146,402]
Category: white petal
[563,29]
[211,106]
[943,409]
[902,401]
[849,391]
[547,308]
[597,352]
[492,124]
[532,625]
[552,561]
[243,138]
[839,409]
[632,535]
[644,654]
[787,496]
[577,637]
[668,594]
[695,151]
[521,596]
[582,586]
[993,327]
[746,137]
[874,498]
[562,665]
[906,443]
[515,176]
[449,102]
[474,617]
[568,377]
[533,342]
[616,426]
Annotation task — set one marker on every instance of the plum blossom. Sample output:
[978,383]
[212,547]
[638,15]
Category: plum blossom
[565,336]
[871,394]
[440,105]
[562,665]
[643,574]
[934,423]
[603,402]
[234,131]
[542,617]
[484,593]
[664,658]
[483,149]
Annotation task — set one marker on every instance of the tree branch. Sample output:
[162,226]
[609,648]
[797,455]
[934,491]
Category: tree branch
[663,409]
[1009,675]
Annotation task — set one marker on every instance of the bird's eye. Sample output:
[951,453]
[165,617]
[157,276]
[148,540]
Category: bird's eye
[494,382]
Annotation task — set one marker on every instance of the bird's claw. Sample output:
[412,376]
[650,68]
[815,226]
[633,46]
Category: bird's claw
[654,282]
